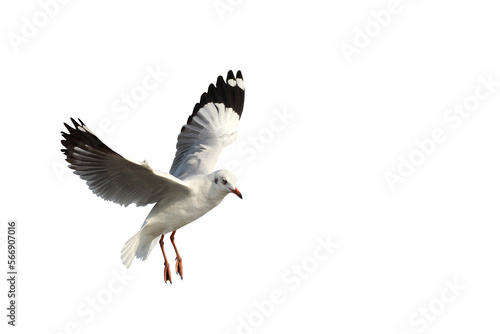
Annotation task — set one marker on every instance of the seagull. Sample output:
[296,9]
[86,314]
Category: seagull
[187,192]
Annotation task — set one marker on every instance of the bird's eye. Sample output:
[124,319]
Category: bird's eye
[224,181]
[216,180]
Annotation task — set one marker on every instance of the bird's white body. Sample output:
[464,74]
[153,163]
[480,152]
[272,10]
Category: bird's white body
[174,212]
[171,214]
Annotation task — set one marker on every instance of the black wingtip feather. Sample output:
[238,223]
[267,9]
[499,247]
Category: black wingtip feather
[233,96]
[75,123]
[81,138]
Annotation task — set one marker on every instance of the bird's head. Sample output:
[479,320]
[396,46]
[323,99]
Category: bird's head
[224,182]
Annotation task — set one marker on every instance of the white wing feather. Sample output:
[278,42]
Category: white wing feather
[210,128]
[113,177]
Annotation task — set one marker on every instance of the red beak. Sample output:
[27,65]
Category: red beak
[237,193]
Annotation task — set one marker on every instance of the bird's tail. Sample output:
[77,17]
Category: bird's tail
[139,246]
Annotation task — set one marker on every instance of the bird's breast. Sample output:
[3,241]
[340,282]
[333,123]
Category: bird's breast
[170,215]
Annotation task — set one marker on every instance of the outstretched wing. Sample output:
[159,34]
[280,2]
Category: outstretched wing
[210,128]
[113,177]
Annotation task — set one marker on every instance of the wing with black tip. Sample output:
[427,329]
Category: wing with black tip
[113,177]
[210,128]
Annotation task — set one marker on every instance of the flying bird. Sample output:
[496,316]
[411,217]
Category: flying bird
[187,192]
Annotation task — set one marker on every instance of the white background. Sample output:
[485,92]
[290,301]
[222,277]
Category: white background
[319,175]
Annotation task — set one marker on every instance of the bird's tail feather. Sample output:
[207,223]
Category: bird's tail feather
[139,246]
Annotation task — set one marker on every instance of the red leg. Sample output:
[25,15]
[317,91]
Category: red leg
[178,259]
[166,271]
